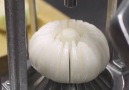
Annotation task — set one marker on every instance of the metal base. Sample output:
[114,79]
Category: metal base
[103,82]
[111,79]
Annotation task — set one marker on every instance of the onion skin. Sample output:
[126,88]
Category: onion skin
[69,51]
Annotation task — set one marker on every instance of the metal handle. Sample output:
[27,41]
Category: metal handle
[119,31]
[111,10]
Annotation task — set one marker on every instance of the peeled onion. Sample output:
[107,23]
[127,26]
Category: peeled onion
[69,51]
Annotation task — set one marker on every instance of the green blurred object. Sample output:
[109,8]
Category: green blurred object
[2,15]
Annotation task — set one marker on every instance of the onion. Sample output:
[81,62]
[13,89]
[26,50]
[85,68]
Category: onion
[69,51]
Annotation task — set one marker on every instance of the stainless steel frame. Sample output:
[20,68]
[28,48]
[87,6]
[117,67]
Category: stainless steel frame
[16,38]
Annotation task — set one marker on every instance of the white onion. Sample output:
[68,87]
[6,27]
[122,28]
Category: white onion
[69,51]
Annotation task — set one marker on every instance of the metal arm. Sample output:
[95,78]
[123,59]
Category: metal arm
[119,31]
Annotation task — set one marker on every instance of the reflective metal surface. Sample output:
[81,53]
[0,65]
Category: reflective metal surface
[16,42]
[101,83]
[111,10]
[119,31]
[110,79]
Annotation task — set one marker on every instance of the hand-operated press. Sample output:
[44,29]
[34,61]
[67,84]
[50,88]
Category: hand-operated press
[24,77]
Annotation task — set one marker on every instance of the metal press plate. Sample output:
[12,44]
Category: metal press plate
[110,79]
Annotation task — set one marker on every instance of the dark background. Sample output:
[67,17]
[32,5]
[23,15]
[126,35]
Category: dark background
[92,11]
